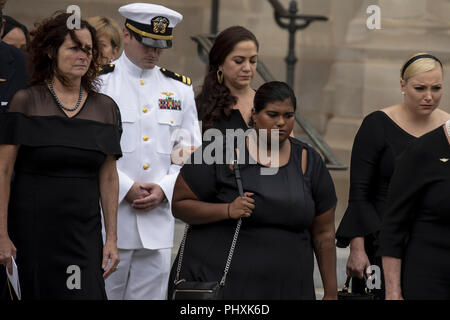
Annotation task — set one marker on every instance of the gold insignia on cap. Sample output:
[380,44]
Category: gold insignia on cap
[444,160]
[147,34]
[160,24]
[2,80]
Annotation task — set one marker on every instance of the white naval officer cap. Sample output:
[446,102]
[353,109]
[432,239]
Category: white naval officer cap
[151,24]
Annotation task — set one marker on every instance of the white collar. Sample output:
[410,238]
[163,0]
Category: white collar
[134,69]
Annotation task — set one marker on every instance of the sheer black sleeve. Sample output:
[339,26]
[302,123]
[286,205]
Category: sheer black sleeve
[111,113]
[20,102]
[361,217]
[33,119]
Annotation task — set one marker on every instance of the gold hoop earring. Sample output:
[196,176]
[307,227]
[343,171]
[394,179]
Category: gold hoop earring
[220,76]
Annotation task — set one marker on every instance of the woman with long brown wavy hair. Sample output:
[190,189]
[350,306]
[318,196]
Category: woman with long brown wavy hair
[62,139]
[226,98]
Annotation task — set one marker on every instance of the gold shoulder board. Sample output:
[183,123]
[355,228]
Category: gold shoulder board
[176,76]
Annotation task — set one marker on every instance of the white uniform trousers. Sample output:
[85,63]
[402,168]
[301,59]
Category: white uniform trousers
[142,274]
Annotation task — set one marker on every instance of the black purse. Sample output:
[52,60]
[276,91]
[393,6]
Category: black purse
[200,290]
[344,294]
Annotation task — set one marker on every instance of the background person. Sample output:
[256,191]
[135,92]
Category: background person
[155,104]
[226,97]
[16,34]
[382,137]
[109,38]
[13,77]
[61,138]
[286,216]
[414,238]
[12,71]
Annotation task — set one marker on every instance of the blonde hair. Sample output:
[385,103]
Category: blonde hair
[418,66]
[105,26]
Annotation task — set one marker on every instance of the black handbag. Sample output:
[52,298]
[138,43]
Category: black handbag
[197,290]
[344,294]
[200,290]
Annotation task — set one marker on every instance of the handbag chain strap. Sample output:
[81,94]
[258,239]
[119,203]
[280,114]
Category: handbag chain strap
[180,258]
[237,174]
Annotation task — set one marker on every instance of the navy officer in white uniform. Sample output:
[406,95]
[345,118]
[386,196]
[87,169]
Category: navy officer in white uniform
[155,105]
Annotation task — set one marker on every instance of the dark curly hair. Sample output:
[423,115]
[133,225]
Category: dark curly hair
[215,101]
[46,39]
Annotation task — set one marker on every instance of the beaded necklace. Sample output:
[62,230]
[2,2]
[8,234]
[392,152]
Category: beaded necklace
[59,104]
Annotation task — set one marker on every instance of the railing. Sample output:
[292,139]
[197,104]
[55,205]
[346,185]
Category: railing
[288,19]
[204,44]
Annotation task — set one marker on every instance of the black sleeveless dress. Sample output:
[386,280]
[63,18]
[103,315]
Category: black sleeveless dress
[54,214]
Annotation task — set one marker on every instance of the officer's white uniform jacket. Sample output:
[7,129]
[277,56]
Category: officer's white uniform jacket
[147,142]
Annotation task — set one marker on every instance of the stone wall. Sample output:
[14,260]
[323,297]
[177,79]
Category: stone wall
[344,72]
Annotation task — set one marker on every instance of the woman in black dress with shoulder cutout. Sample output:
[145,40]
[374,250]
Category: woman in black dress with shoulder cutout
[287,217]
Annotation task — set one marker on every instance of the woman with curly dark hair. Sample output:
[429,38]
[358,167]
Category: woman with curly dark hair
[226,98]
[62,139]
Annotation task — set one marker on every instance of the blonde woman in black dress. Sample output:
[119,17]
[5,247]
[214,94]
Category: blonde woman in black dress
[382,137]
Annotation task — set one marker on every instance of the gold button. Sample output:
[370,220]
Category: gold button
[142,82]
[145,138]
[144,110]
[145,166]
[171,121]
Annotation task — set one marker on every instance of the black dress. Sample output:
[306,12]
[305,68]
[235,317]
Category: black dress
[235,121]
[54,215]
[377,145]
[273,258]
[13,77]
[416,225]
